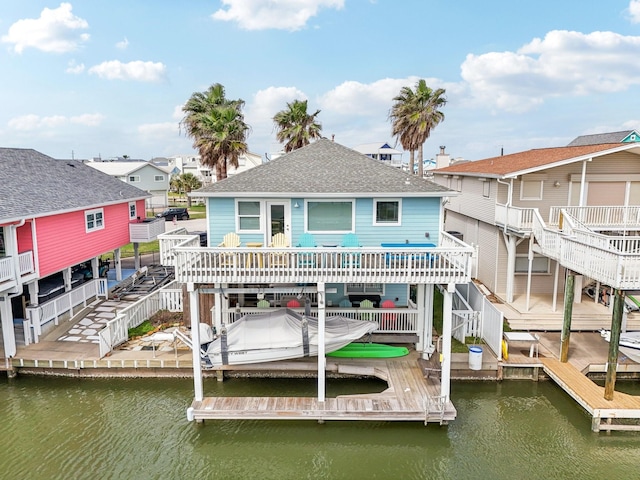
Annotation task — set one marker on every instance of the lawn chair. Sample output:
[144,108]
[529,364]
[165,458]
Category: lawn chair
[350,240]
[264,304]
[366,304]
[279,240]
[388,321]
[230,240]
[306,259]
[345,303]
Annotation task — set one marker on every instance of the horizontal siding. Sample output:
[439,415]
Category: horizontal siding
[471,201]
[25,238]
[63,241]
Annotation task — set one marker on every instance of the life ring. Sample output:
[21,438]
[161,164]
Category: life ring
[505,350]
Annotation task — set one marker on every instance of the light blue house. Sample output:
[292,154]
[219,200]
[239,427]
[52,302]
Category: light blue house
[331,225]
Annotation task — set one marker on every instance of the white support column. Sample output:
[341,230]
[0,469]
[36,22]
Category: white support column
[422,326]
[530,258]
[118,264]
[66,276]
[34,289]
[95,268]
[194,309]
[322,361]
[511,265]
[217,310]
[8,333]
[445,378]
[136,255]
[554,301]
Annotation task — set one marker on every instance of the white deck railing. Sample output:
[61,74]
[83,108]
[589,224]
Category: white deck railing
[610,218]
[390,320]
[515,218]
[116,331]
[8,270]
[147,230]
[52,310]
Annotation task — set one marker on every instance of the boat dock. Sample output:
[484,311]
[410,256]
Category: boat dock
[411,396]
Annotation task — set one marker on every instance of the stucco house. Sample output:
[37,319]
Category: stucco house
[542,215]
[315,201]
[57,217]
[143,175]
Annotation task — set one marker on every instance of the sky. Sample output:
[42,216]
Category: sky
[108,78]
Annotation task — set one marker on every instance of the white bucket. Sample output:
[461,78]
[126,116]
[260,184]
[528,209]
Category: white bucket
[475,358]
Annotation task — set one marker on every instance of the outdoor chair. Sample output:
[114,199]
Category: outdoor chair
[388,320]
[350,240]
[306,259]
[345,303]
[279,240]
[230,240]
[264,304]
[366,305]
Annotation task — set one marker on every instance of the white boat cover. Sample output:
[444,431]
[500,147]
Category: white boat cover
[278,335]
[627,339]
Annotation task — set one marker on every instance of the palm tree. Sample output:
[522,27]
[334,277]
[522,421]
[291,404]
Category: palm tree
[217,127]
[295,127]
[189,182]
[414,115]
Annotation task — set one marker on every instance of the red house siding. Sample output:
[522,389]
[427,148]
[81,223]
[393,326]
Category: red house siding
[63,240]
[25,239]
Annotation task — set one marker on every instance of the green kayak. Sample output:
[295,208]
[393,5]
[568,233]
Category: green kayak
[369,350]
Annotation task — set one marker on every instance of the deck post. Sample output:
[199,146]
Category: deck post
[614,341]
[194,308]
[136,255]
[510,242]
[445,376]
[321,340]
[566,320]
[117,264]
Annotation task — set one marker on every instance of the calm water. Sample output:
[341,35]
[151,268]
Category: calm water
[137,429]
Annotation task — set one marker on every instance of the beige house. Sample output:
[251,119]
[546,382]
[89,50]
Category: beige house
[539,214]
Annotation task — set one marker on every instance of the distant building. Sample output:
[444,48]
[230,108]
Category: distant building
[179,164]
[382,152]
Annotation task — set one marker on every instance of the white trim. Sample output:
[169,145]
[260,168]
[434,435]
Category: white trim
[133,215]
[261,221]
[538,197]
[133,178]
[331,200]
[156,177]
[98,222]
[377,223]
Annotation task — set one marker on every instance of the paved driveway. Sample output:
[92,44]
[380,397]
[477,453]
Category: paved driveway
[198,225]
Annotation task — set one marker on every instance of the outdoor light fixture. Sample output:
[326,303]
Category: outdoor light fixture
[556,183]
[295,205]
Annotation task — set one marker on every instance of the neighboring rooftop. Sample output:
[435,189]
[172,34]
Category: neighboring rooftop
[35,185]
[122,168]
[323,168]
[625,136]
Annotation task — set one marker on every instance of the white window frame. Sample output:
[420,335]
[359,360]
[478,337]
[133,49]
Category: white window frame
[486,189]
[92,216]
[378,223]
[132,211]
[522,193]
[133,178]
[259,215]
[334,200]
[374,289]
[525,262]
[158,178]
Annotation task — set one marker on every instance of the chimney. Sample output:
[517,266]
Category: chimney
[442,147]
[443,159]
[333,137]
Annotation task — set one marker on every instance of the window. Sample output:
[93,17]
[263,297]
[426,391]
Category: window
[330,216]
[132,210]
[539,265]
[157,178]
[486,189]
[531,190]
[94,219]
[248,216]
[134,178]
[387,212]
[360,288]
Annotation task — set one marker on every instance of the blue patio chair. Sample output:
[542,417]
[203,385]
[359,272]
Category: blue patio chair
[345,303]
[306,259]
[350,240]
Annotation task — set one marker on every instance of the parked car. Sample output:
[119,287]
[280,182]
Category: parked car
[178,213]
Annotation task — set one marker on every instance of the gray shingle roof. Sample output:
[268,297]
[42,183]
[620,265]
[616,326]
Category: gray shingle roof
[33,185]
[324,168]
[599,138]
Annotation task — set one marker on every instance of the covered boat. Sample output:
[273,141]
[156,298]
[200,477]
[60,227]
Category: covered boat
[627,339]
[282,335]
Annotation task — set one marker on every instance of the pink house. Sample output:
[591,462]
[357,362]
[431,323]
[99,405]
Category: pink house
[57,217]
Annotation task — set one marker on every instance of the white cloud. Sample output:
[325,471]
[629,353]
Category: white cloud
[123,44]
[74,67]
[634,11]
[137,70]
[56,31]
[275,14]
[564,63]
[158,131]
[35,122]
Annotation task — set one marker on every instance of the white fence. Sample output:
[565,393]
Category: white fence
[8,267]
[52,310]
[116,331]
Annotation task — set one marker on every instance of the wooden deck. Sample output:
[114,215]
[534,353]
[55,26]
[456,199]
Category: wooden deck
[409,397]
[621,413]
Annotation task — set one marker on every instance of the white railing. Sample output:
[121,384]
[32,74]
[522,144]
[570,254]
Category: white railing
[179,236]
[6,269]
[25,266]
[146,230]
[25,263]
[491,318]
[390,320]
[116,331]
[52,310]
[611,217]
[515,218]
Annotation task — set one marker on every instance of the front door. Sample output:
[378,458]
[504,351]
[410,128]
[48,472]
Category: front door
[278,220]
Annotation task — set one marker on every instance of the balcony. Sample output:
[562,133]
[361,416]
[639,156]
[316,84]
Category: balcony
[515,219]
[8,268]
[146,230]
[449,263]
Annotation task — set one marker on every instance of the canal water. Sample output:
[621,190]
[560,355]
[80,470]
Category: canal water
[61,428]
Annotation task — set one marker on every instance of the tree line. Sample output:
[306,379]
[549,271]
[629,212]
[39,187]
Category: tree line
[219,133]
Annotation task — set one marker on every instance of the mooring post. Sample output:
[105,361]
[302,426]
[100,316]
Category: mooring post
[568,312]
[614,340]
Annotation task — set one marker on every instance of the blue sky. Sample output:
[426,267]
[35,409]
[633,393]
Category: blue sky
[109,78]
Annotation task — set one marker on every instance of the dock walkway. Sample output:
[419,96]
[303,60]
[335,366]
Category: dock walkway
[409,397]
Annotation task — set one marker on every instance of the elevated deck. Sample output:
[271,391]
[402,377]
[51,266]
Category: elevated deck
[409,397]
